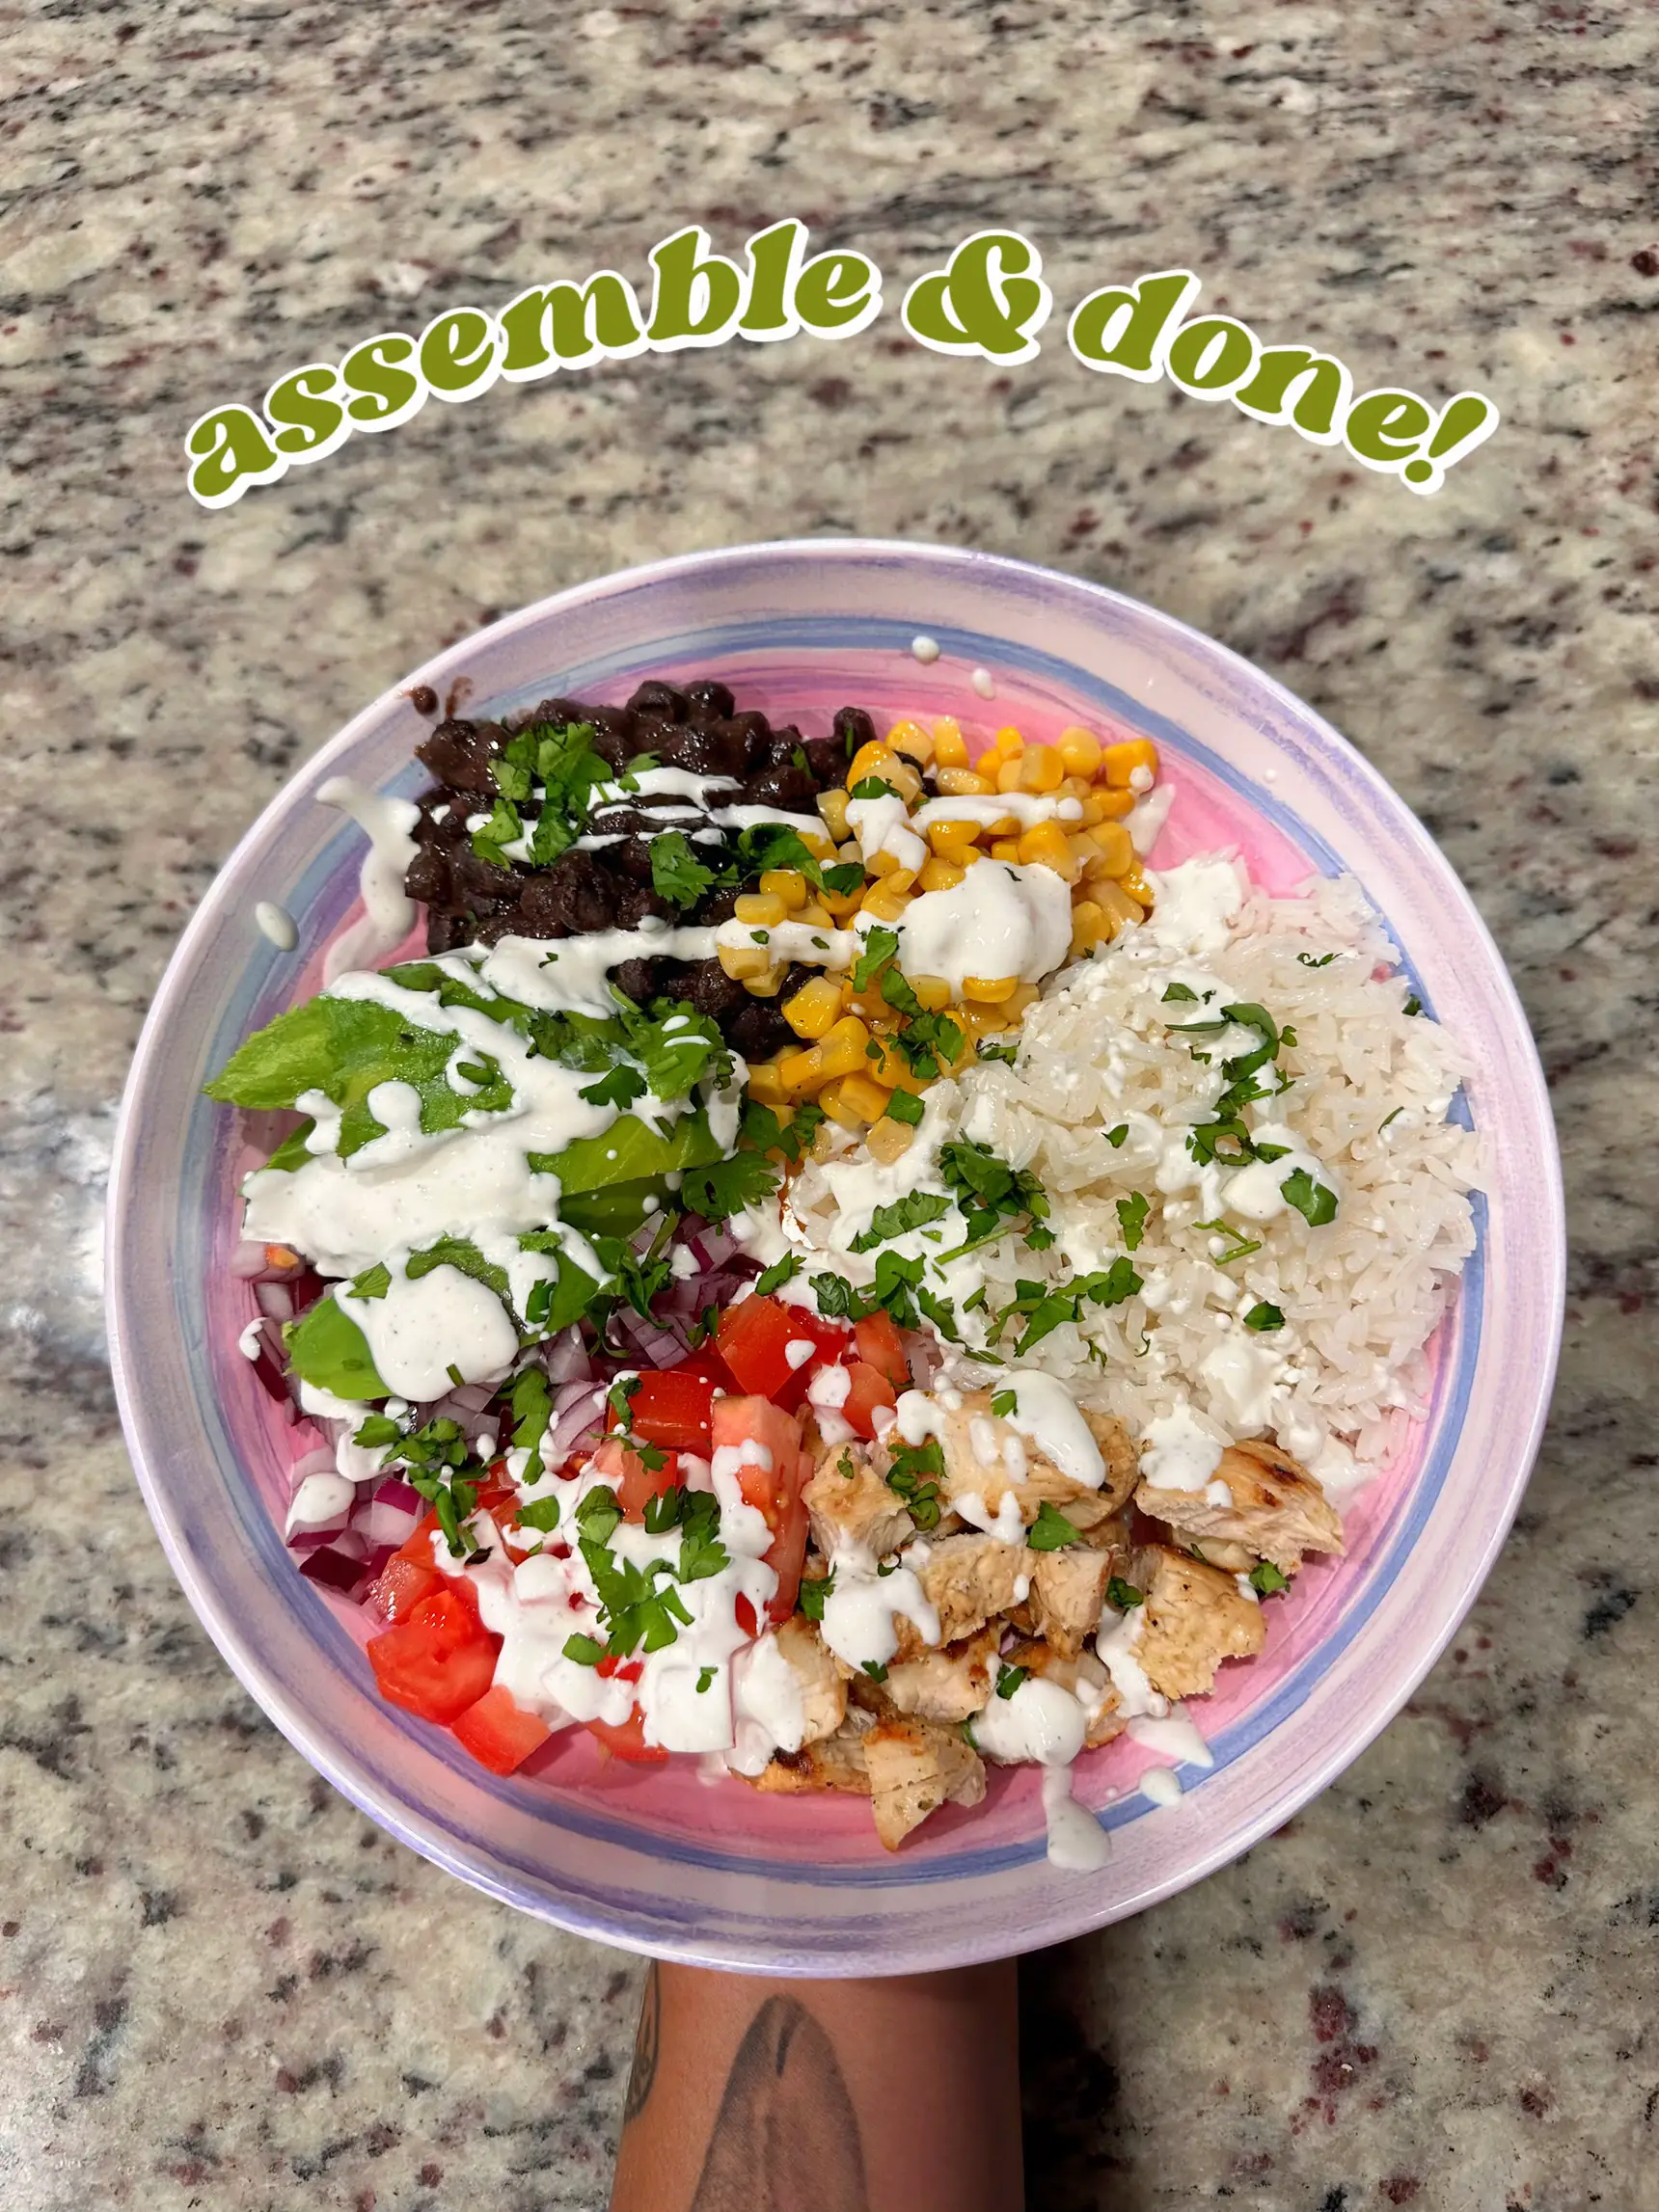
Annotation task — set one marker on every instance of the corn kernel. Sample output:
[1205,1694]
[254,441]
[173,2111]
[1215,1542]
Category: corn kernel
[767,983]
[833,812]
[1116,900]
[842,1049]
[787,884]
[950,746]
[1135,883]
[979,1020]
[760,909]
[842,904]
[942,836]
[812,916]
[865,1095]
[1008,773]
[889,1140]
[990,991]
[1009,740]
[1024,995]
[1076,787]
[1006,849]
[1080,750]
[933,991]
[1116,847]
[1086,854]
[941,875]
[912,739]
[963,783]
[741,962]
[1119,762]
[1047,843]
[873,759]
[765,1083]
[821,846]
[885,902]
[1040,769]
[814,1008]
[800,1071]
[839,1108]
[1091,926]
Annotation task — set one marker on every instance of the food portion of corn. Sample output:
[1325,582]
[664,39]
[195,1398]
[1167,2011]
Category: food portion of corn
[849,1058]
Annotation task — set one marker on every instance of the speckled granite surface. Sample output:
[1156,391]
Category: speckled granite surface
[219,1987]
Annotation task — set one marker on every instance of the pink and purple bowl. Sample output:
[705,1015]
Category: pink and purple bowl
[654,1858]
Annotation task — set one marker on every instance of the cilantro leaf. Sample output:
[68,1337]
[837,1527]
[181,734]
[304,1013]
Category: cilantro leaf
[677,874]
[774,1277]
[1314,1202]
[904,1106]
[813,1594]
[1115,1137]
[912,1211]
[1263,1316]
[620,1088]
[586,1651]
[327,1349]
[1050,1531]
[1009,1679]
[726,1187]
[542,1513]
[1307,960]
[989,1050]
[1266,1579]
[1005,1402]
[1122,1596]
[1132,1218]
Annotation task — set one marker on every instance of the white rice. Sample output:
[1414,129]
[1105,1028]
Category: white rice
[1361,1296]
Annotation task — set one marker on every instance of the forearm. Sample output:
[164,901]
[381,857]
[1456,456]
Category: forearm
[751,2095]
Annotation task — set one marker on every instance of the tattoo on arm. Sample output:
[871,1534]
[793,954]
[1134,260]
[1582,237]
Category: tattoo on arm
[786,2133]
[647,2039]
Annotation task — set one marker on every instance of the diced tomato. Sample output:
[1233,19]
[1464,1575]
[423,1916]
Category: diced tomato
[671,1406]
[774,1488]
[869,1389]
[742,1613]
[402,1584]
[881,1346]
[754,1339]
[499,1733]
[636,1483]
[627,1740]
[438,1662]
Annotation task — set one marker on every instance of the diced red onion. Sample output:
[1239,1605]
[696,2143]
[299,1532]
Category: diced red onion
[711,1246]
[654,1345]
[275,1301]
[382,1524]
[471,1398]
[333,1568]
[248,1260]
[571,1421]
[391,1490]
[566,1358]
[318,1461]
[327,1532]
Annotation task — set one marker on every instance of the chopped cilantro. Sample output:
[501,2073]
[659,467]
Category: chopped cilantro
[1009,1054]
[1241,1246]
[906,1107]
[1005,1402]
[1314,1202]
[705,1678]
[620,1088]
[1413,1005]
[586,1651]
[1122,1596]
[876,1671]
[1307,960]
[1263,1316]
[873,787]
[1132,1218]
[912,1211]
[774,1277]
[728,1186]
[1115,1137]
[1266,1579]
[1009,1679]
[1179,991]
[1050,1531]
[677,874]
[845,878]
[813,1594]
[541,1512]
[913,1476]
[880,947]
[373,1282]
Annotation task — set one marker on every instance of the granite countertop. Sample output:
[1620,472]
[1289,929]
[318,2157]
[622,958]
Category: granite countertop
[220,1986]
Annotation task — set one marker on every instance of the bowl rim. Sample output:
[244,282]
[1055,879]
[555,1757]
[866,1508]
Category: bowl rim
[1358,1727]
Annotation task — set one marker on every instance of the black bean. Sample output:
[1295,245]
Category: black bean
[424,699]
[427,878]
[637,980]
[458,754]
[635,902]
[631,858]
[616,738]
[575,896]
[826,759]
[665,701]
[757,1030]
[788,787]
[708,701]
[707,987]
[855,728]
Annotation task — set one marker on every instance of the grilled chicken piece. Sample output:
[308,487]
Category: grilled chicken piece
[913,1768]
[1084,1675]
[1117,1449]
[1195,1618]
[1067,1590]
[965,1473]
[822,1680]
[969,1579]
[948,1685]
[1278,1510]
[855,1508]
[835,1761]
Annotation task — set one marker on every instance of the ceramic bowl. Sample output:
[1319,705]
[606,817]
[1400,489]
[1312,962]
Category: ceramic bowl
[654,1858]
